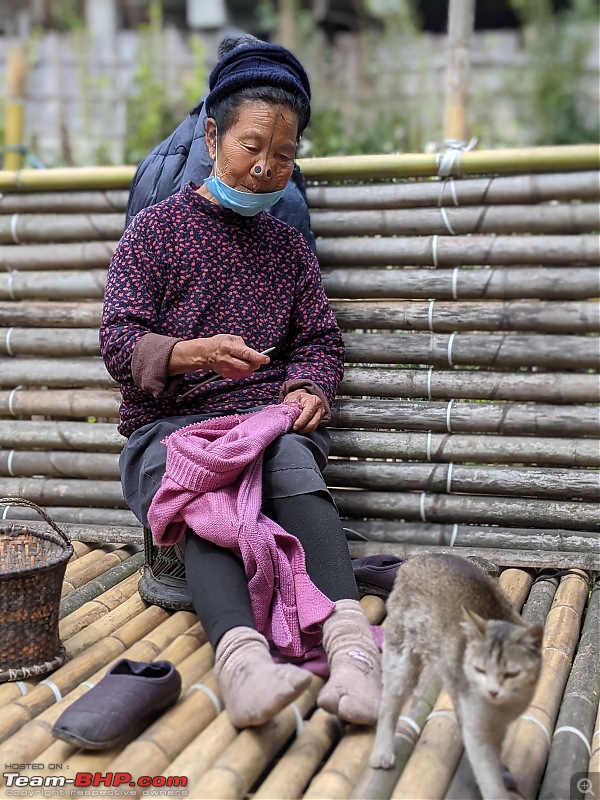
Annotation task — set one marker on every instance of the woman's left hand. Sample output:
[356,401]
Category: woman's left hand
[310,415]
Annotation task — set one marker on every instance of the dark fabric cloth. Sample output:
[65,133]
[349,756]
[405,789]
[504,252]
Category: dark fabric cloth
[187,268]
[182,157]
[292,465]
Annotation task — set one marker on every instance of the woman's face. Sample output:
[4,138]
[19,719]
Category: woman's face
[257,153]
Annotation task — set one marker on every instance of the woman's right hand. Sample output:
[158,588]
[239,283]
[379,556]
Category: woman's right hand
[225,354]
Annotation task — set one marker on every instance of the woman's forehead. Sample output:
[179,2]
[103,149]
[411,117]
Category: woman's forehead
[260,116]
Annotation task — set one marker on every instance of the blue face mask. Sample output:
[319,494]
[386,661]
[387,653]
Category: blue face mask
[245,203]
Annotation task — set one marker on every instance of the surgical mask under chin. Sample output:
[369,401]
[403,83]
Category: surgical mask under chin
[248,204]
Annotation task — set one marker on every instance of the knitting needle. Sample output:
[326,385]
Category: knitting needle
[214,377]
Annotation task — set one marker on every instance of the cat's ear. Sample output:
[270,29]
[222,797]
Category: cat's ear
[472,624]
[532,637]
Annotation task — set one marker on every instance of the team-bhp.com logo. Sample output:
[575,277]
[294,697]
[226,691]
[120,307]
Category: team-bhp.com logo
[93,784]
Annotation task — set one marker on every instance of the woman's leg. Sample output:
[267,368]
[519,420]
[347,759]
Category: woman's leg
[314,521]
[243,663]
[354,686]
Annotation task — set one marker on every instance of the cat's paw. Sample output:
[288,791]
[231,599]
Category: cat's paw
[382,759]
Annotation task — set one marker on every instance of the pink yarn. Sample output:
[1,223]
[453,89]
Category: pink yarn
[213,484]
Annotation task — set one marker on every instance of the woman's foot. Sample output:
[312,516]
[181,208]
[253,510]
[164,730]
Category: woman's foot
[353,690]
[253,687]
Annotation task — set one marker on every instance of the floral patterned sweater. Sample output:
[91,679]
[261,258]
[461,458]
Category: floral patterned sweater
[187,268]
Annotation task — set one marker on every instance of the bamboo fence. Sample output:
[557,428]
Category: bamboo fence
[466,284]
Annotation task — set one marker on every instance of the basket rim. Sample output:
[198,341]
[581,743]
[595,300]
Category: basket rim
[50,536]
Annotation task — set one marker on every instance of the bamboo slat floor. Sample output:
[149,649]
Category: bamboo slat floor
[304,752]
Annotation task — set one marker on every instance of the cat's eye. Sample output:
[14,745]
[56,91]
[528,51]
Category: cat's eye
[512,674]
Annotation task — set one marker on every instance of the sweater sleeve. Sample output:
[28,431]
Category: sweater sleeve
[316,352]
[130,332]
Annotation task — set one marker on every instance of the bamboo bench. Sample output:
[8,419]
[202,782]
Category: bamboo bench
[468,414]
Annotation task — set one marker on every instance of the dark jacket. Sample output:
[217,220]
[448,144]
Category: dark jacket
[182,157]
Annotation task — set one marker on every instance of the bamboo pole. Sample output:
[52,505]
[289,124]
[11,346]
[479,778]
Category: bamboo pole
[385,532]
[571,742]
[60,256]
[456,448]
[56,403]
[90,202]
[447,317]
[496,283]
[547,483]
[87,285]
[487,510]
[14,110]
[519,160]
[48,228]
[528,742]
[51,314]
[461,20]
[456,251]
[513,219]
[75,617]
[92,524]
[467,191]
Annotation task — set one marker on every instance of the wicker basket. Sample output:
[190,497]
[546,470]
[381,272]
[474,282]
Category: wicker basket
[32,568]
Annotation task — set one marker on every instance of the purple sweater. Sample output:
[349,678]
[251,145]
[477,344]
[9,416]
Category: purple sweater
[187,268]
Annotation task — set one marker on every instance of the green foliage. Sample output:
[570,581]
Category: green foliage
[155,108]
[552,89]
[65,15]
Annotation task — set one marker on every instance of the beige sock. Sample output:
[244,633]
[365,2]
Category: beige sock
[353,690]
[253,687]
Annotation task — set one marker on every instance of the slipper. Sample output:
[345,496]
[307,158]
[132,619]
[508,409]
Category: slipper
[129,697]
[376,574]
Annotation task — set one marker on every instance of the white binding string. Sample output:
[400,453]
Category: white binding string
[449,227]
[54,689]
[299,719]
[449,478]
[89,684]
[9,461]
[429,374]
[9,284]
[449,161]
[7,508]
[411,724]
[452,184]
[540,725]
[450,343]
[454,285]
[11,398]
[454,534]
[434,252]
[429,438]
[21,686]
[422,506]
[448,412]
[210,694]
[445,714]
[430,315]
[569,729]
[7,341]
[13,228]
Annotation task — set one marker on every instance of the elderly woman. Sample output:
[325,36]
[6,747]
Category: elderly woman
[200,286]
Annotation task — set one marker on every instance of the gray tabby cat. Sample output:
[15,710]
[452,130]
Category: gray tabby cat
[447,612]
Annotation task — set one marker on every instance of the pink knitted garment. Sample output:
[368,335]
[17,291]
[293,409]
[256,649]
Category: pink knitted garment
[213,484]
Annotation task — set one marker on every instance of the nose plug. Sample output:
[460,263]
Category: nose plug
[258,170]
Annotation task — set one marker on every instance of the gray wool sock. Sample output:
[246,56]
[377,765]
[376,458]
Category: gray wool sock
[353,690]
[253,687]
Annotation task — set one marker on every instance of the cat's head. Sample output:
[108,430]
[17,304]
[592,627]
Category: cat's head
[502,660]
